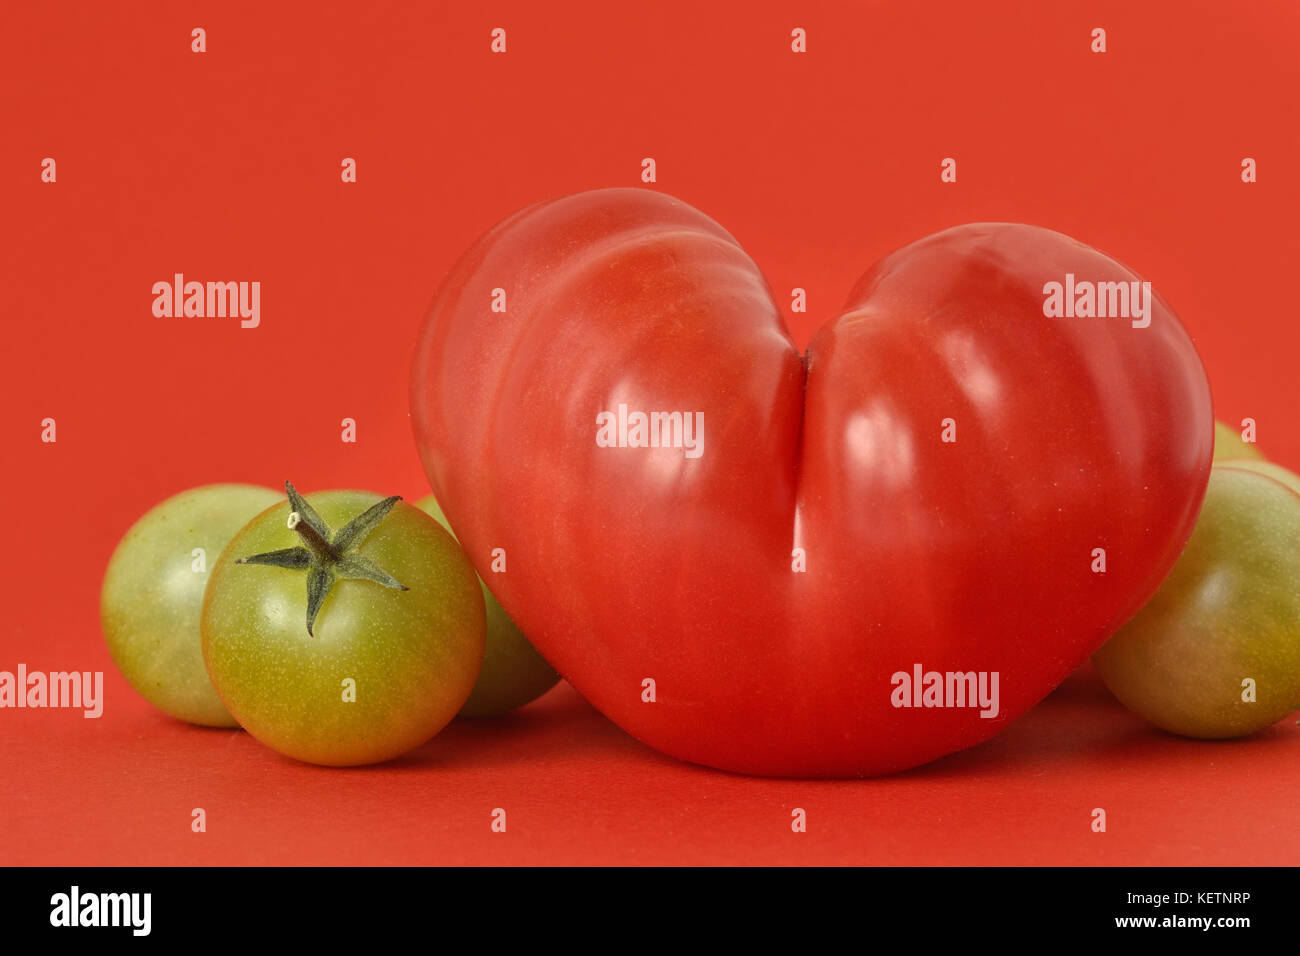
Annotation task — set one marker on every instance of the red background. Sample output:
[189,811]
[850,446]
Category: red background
[225,166]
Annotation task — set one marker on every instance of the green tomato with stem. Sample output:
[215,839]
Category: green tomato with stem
[343,628]
[513,672]
[153,592]
[1216,652]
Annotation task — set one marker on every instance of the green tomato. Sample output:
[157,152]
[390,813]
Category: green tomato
[513,672]
[344,628]
[1216,652]
[153,591]
[1228,445]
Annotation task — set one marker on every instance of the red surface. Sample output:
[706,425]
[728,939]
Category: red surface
[576,789]
[225,166]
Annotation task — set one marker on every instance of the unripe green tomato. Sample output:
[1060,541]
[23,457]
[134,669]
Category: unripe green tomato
[379,669]
[1225,625]
[153,591]
[513,672]
[1228,445]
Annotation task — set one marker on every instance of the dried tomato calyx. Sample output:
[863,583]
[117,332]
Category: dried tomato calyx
[328,556]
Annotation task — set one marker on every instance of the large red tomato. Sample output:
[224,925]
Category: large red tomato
[951,496]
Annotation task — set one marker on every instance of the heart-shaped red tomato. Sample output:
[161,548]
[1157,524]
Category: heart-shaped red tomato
[838,564]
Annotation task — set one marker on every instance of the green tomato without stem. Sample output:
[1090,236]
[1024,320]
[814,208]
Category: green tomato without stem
[513,672]
[1216,652]
[153,591]
[1229,446]
[343,628]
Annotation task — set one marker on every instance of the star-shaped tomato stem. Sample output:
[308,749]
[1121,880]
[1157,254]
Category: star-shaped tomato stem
[327,555]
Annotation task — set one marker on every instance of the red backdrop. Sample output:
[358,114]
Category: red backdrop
[226,165]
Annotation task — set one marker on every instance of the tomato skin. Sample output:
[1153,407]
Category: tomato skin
[513,672]
[631,565]
[414,655]
[1228,445]
[153,592]
[1229,610]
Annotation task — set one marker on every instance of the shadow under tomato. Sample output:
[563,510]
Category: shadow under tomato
[1081,726]
[559,725]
